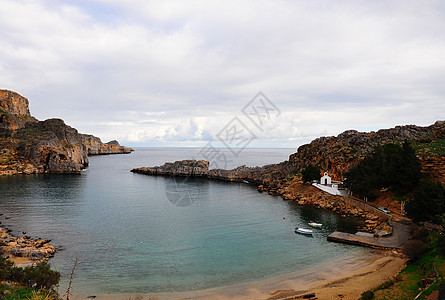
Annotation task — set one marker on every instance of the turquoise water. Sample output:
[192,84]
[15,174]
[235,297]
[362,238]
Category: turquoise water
[131,237]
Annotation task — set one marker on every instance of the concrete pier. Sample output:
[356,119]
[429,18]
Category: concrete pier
[399,237]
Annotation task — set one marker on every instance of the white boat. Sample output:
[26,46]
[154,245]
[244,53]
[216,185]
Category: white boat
[303,231]
[316,225]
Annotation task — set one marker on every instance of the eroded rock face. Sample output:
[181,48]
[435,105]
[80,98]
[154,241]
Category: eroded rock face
[52,147]
[14,111]
[14,104]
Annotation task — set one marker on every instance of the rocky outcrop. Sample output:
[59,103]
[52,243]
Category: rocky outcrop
[95,146]
[14,104]
[14,111]
[30,146]
[194,168]
[435,167]
[32,249]
[200,168]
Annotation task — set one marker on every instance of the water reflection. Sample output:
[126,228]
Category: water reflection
[184,191]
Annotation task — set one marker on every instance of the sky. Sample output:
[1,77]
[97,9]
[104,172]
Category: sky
[186,73]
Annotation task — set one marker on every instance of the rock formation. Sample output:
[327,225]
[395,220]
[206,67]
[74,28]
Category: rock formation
[14,111]
[29,146]
[194,168]
[33,249]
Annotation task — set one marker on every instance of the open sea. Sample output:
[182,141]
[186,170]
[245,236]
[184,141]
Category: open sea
[135,234]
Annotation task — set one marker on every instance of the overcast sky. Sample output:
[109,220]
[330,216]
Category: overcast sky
[175,73]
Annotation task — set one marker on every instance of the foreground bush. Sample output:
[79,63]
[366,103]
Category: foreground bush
[39,276]
[414,249]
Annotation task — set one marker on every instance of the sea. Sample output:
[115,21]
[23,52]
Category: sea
[134,234]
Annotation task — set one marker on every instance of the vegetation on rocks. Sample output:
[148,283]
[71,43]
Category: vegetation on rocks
[428,147]
[391,166]
[48,146]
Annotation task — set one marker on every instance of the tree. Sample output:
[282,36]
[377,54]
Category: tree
[427,202]
[392,166]
[310,173]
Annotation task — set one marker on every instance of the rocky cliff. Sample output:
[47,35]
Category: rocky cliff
[14,111]
[30,146]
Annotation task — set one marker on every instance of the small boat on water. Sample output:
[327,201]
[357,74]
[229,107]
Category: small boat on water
[315,225]
[303,231]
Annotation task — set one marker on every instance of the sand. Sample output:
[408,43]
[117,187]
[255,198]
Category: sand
[343,279]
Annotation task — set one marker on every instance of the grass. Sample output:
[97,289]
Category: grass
[432,148]
[19,292]
[408,283]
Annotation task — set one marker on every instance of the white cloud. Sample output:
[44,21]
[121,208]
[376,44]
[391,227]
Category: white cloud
[175,72]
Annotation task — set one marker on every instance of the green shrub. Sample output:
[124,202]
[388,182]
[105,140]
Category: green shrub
[39,276]
[414,249]
[310,173]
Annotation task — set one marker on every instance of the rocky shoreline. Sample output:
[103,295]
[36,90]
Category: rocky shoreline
[28,249]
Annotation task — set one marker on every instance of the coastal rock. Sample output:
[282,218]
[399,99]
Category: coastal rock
[195,168]
[34,249]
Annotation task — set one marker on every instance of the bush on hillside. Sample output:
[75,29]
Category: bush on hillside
[310,173]
[39,276]
[414,249]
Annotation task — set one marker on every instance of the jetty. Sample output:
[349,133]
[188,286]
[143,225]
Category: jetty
[400,235]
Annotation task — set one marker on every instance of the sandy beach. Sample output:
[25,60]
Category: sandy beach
[343,279]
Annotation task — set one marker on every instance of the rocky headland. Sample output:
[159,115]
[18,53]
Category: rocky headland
[30,146]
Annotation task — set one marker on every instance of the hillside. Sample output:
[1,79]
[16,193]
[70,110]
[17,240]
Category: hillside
[30,146]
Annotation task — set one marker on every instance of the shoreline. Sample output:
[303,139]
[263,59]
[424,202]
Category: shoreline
[326,280]
[24,251]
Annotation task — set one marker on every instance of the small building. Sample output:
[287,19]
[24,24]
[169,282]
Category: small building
[326,179]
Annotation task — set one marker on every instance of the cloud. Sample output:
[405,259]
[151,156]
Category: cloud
[175,72]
